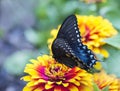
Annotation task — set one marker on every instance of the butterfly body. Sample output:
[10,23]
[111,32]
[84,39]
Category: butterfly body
[68,49]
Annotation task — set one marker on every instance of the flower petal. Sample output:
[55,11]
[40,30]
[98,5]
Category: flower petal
[60,82]
[31,83]
[26,78]
[39,89]
[73,88]
[27,88]
[48,86]
[65,84]
[57,88]
[104,52]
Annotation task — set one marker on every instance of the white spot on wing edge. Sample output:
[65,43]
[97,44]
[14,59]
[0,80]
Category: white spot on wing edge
[78,40]
[75,28]
[76,31]
[78,35]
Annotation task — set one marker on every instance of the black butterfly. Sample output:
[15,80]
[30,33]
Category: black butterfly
[68,49]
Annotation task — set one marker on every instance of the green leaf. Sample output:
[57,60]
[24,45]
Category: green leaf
[114,41]
[106,88]
[95,87]
[112,64]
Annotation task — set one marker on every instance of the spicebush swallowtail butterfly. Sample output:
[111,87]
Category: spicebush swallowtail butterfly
[68,49]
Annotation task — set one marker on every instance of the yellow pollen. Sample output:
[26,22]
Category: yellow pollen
[56,71]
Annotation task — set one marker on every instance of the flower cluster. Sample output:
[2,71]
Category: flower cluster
[46,74]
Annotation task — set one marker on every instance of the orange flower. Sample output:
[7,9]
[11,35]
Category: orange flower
[103,80]
[45,74]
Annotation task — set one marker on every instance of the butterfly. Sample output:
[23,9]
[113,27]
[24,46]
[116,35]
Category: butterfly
[67,48]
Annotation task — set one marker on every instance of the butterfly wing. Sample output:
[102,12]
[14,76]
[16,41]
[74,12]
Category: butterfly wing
[62,52]
[70,36]
[68,30]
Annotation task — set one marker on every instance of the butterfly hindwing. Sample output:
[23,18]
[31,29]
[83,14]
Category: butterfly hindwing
[68,48]
[63,52]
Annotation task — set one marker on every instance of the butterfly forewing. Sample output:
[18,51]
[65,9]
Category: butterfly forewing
[69,31]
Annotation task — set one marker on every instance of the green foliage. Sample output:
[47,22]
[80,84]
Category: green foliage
[32,36]
[106,88]
[112,64]
[114,41]
[95,87]
[37,38]
[16,62]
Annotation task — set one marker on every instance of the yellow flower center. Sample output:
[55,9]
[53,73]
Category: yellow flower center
[56,71]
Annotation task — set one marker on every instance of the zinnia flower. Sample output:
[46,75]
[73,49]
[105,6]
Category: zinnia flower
[93,29]
[103,80]
[45,74]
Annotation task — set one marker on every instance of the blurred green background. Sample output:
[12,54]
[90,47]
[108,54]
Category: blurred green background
[25,27]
